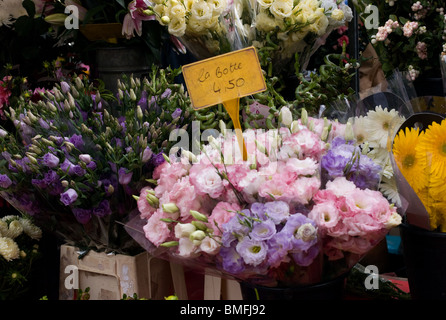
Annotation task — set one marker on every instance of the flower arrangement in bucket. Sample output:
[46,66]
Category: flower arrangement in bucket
[279,219]
[77,156]
[19,251]
[413,28]
[279,29]
[420,180]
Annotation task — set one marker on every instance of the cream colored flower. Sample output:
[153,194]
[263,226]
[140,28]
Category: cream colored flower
[195,26]
[281,9]
[319,22]
[9,249]
[313,4]
[265,4]
[177,26]
[265,23]
[218,6]
[201,11]
[177,11]
[160,11]
[394,220]
[337,14]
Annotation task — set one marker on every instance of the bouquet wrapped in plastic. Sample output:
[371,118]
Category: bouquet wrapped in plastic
[77,156]
[302,209]
[279,29]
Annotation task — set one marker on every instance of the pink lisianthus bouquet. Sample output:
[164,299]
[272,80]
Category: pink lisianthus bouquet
[280,218]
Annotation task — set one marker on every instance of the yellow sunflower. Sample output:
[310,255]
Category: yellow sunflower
[431,150]
[406,158]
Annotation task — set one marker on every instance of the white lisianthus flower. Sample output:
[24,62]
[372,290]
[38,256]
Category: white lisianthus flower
[209,246]
[281,9]
[201,11]
[218,6]
[177,26]
[195,26]
[313,4]
[183,230]
[265,4]
[9,249]
[285,116]
[320,22]
[265,23]
[394,220]
[186,248]
[160,11]
[177,11]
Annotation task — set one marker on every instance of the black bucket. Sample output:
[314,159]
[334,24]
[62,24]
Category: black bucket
[114,62]
[330,290]
[425,258]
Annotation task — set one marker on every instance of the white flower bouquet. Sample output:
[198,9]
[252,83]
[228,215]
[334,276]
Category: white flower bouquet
[278,28]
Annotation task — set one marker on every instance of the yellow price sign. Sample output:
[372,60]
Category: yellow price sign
[225,79]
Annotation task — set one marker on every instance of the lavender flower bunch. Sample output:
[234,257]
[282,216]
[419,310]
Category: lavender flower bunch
[344,159]
[78,155]
[268,243]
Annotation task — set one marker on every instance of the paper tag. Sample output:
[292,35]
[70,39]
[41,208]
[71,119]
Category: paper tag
[225,77]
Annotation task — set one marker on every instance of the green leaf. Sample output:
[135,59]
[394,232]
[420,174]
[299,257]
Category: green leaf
[403,20]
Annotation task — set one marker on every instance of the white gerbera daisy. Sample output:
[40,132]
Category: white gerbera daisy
[359,129]
[9,249]
[389,189]
[380,125]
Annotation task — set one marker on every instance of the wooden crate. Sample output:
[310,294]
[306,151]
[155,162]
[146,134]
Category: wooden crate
[110,276]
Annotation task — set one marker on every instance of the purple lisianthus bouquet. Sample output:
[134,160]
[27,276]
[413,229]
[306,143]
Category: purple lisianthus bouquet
[78,155]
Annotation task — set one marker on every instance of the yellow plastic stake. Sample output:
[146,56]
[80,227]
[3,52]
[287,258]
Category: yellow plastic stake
[233,109]
[225,79]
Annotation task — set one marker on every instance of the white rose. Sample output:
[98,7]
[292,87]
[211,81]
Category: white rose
[183,230]
[209,246]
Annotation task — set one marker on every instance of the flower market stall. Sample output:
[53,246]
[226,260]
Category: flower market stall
[213,149]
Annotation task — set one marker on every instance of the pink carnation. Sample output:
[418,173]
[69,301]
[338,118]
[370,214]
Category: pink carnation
[156,231]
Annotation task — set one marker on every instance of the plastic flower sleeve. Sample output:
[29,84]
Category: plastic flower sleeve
[417,202]
[271,220]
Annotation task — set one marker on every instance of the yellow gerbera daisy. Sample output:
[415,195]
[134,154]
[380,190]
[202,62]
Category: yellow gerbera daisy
[407,160]
[431,149]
